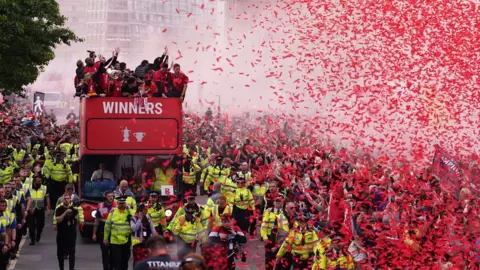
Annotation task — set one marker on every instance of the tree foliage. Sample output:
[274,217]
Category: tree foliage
[29,32]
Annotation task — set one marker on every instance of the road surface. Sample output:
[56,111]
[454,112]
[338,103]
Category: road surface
[43,255]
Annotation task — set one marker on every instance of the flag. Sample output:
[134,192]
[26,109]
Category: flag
[447,169]
[336,207]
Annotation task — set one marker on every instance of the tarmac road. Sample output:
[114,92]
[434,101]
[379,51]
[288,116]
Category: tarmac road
[43,255]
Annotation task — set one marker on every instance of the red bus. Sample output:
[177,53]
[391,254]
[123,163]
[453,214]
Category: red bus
[127,135]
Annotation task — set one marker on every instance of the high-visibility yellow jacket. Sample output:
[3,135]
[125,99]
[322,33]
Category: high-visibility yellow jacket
[319,249]
[11,202]
[341,260]
[30,147]
[131,203]
[34,159]
[117,227]
[163,178]
[300,244]
[7,219]
[202,160]
[244,199]
[247,175]
[215,217]
[47,154]
[189,176]
[228,190]
[6,174]
[157,214]
[190,231]
[38,197]
[213,174]
[203,215]
[258,193]
[67,147]
[18,156]
[274,219]
[59,172]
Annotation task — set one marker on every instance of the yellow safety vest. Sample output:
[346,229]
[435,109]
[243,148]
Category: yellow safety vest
[228,190]
[163,178]
[18,155]
[247,176]
[269,220]
[34,159]
[342,261]
[259,193]
[189,177]
[60,172]
[6,174]
[319,250]
[6,218]
[216,215]
[244,199]
[214,174]
[190,231]
[300,244]
[117,226]
[67,147]
[11,203]
[158,216]
[38,197]
[131,203]
[29,147]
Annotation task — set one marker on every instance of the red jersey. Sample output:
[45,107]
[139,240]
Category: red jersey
[161,76]
[88,69]
[116,89]
[92,89]
[104,82]
[179,80]
[149,89]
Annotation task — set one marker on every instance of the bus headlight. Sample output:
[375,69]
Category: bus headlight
[168,213]
[94,213]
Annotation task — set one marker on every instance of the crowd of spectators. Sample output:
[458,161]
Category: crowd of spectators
[388,215]
[383,215]
[99,77]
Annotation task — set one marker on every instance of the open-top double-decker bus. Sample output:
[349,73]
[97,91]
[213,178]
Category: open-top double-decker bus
[127,135]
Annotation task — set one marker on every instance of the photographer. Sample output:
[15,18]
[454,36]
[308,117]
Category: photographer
[224,245]
[67,219]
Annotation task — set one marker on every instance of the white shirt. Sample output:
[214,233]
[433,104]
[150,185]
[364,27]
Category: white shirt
[99,174]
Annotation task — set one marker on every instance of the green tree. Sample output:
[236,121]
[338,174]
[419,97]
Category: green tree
[29,32]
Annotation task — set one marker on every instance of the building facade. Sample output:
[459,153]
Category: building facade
[138,26]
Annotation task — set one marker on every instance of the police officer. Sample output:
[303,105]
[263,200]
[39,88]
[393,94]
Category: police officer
[58,173]
[67,220]
[117,234]
[189,230]
[243,205]
[300,242]
[215,173]
[101,216]
[274,230]
[36,209]
[189,172]
[6,168]
[157,213]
